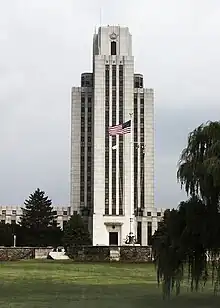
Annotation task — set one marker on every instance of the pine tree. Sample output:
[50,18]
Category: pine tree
[38,222]
[76,232]
[38,212]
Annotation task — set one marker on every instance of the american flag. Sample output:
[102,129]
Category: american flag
[120,129]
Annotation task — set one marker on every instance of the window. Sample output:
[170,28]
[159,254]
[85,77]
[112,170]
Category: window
[13,222]
[64,224]
[158,214]
[136,85]
[64,212]
[149,233]
[3,221]
[55,212]
[13,212]
[3,212]
[139,231]
[113,48]
[148,213]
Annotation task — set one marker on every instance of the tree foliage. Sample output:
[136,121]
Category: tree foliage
[38,221]
[76,232]
[6,234]
[38,212]
[189,237]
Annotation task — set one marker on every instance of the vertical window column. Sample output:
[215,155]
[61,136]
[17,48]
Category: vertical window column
[142,152]
[135,123]
[149,233]
[82,152]
[106,140]
[120,153]
[89,156]
[113,48]
[113,140]
[139,232]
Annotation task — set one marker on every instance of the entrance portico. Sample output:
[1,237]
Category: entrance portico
[114,230]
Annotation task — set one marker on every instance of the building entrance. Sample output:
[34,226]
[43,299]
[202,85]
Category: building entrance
[113,238]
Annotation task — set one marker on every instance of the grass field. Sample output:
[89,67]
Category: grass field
[61,285]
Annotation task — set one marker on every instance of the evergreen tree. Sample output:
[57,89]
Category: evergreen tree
[6,235]
[38,212]
[38,222]
[76,232]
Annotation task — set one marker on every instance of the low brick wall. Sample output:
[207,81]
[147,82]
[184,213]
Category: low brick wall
[23,253]
[42,253]
[134,254]
[13,254]
[89,253]
[129,254]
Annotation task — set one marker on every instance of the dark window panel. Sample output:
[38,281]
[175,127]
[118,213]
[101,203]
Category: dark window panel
[113,48]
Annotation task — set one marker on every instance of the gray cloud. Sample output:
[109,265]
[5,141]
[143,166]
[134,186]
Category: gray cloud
[46,44]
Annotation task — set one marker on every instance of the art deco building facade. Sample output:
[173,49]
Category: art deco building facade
[112,178]
[11,214]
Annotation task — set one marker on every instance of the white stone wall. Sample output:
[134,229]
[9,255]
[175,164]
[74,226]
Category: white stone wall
[149,148]
[99,148]
[12,213]
[128,148]
[101,223]
[155,217]
[123,39]
[75,149]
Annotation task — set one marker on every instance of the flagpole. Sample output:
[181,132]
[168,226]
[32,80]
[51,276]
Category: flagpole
[132,177]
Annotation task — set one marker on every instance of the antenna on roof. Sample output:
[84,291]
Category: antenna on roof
[100,16]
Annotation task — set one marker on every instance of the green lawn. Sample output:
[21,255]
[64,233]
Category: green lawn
[60,285]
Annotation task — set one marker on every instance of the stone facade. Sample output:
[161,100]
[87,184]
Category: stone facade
[15,254]
[23,253]
[127,254]
[89,254]
[131,254]
[112,178]
[135,254]
[10,214]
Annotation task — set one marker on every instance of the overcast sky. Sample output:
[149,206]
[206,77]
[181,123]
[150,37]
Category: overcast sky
[44,47]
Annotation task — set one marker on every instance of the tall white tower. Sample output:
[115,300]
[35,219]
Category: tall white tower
[112,178]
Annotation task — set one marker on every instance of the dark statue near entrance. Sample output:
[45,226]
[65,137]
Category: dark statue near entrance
[130,239]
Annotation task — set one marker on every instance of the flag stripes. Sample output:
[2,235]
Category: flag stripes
[120,129]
